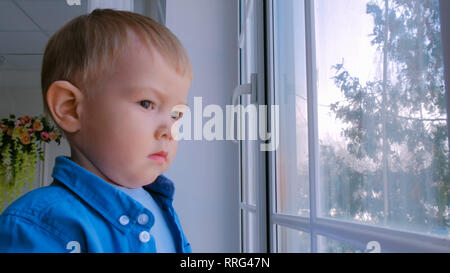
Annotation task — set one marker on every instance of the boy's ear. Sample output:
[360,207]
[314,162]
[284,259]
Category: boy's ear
[64,102]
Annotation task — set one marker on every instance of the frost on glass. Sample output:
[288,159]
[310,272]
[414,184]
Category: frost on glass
[382,117]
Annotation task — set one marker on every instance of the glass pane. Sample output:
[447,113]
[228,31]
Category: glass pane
[249,231]
[249,65]
[327,245]
[292,166]
[382,114]
[292,241]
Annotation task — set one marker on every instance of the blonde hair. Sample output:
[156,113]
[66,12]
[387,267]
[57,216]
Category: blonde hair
[87,47]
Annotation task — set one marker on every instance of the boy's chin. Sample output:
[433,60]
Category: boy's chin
[145,178]
[149,180]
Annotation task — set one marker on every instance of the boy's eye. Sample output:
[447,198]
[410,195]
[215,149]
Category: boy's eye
[146,103]
[176,115]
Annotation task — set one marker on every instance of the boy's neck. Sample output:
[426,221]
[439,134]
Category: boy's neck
[79,158]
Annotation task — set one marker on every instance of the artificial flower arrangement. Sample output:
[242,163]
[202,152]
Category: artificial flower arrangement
[19,148]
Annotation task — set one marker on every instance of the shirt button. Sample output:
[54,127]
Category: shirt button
[144,236]
[124,220]
[143,219]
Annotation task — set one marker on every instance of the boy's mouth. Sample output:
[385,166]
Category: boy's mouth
[159,157]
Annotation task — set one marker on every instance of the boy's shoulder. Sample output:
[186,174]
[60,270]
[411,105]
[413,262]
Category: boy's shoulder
[42,220]
[41,200]
[48,206]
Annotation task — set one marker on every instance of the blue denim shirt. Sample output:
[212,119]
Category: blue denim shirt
[80,212]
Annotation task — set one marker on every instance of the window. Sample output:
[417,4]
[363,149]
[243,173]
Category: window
[253,203]
[363,159]
[383,149]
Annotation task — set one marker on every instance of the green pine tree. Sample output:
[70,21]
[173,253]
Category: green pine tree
[402,113]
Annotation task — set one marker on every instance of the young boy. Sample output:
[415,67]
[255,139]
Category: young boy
[114,82]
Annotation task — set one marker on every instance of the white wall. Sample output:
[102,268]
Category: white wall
[206,173]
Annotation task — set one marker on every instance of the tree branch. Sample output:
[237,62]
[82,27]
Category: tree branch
[422,119]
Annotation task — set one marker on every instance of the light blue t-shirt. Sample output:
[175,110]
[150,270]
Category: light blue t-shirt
[160,230]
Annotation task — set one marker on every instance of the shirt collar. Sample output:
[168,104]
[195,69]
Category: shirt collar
[102,196]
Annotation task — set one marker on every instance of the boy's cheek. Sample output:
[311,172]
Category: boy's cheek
[174,151]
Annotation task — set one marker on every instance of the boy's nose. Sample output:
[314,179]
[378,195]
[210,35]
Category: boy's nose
[163,134]
[164,131]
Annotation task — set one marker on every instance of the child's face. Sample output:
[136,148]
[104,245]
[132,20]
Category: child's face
[120,128]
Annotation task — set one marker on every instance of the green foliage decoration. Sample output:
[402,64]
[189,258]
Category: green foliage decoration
[20,146]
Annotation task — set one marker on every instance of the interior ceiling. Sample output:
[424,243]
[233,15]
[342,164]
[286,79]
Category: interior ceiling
[25,27]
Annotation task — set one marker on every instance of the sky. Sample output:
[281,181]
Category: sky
[342,33]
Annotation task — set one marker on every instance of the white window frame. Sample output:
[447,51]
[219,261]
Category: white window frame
[356,234]
[260,238]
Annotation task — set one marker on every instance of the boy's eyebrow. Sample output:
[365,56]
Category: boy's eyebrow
[158,93]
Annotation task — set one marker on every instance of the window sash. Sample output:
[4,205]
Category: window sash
[357,234]
[259,208]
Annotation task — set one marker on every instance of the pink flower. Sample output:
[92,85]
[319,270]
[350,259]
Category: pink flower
[44,136]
